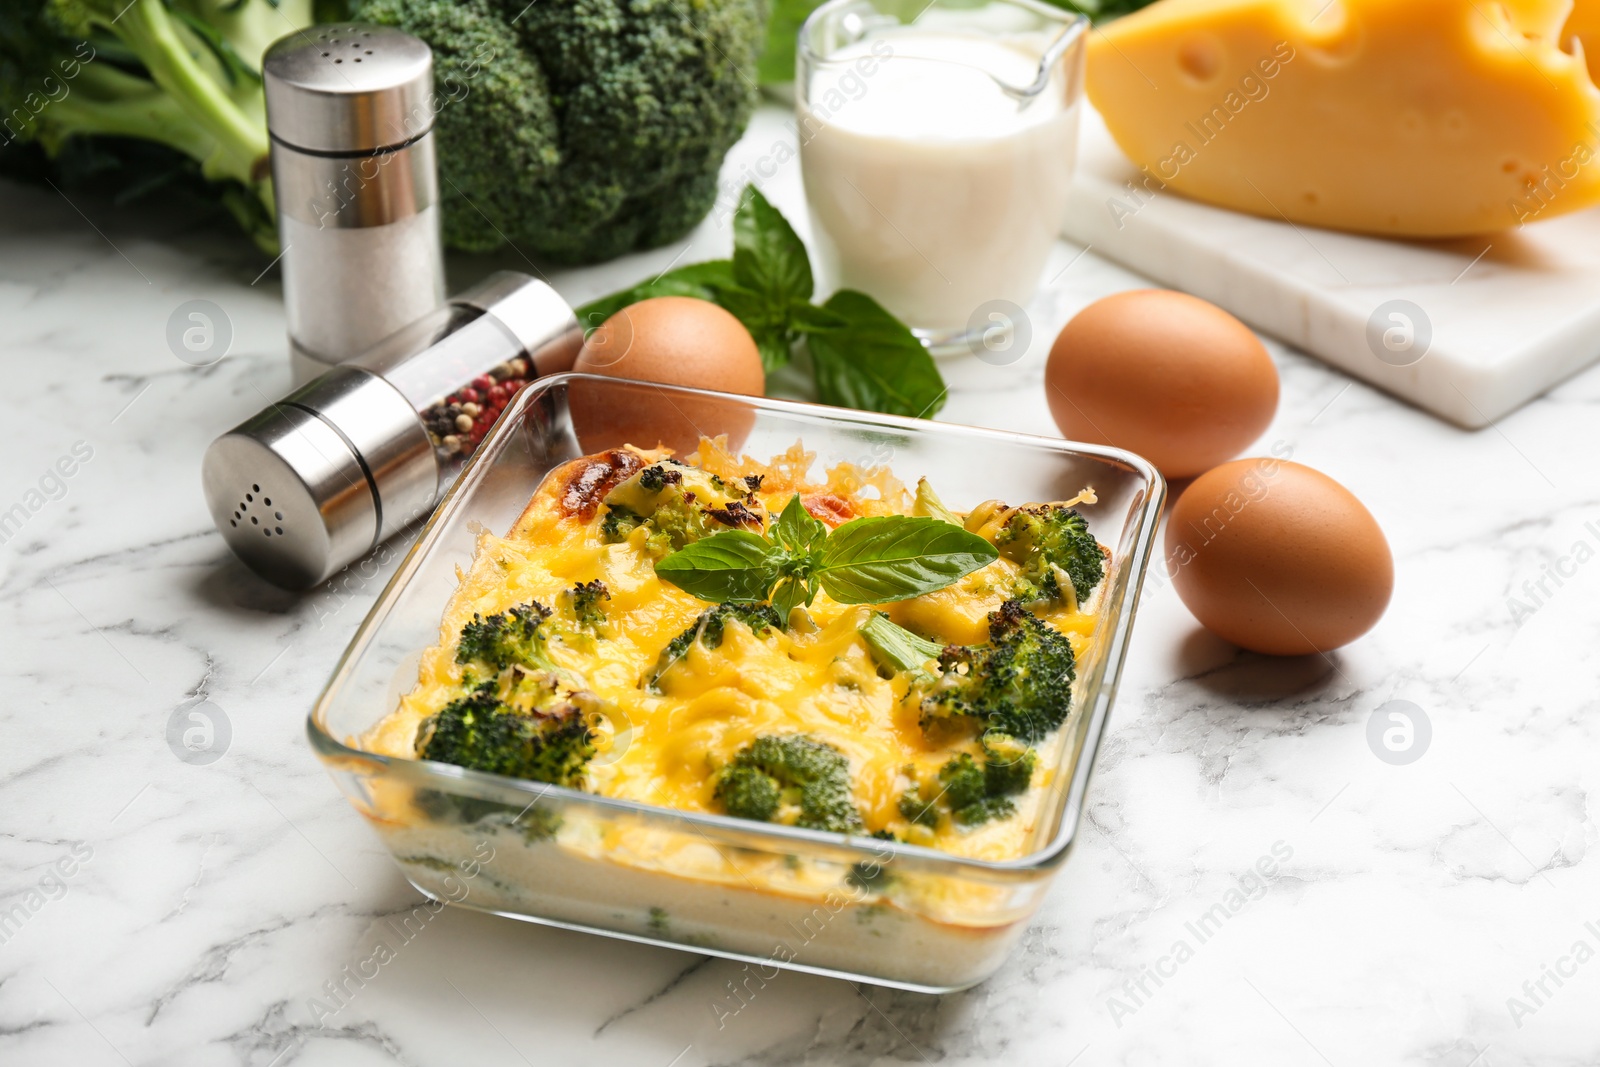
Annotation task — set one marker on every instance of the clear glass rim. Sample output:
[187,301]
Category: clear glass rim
[1073,26]
[847,848]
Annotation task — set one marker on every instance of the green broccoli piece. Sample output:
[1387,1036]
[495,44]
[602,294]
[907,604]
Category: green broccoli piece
[973,792]
[914,808]
[100,84]
[480,732]
[708,628]
[580,130]
[1007,765]
[1019,684]
[895,648]
[791,779]
[619,521]
[749,793]
[1051,543]
[584,601]
[504,639]
[662,500]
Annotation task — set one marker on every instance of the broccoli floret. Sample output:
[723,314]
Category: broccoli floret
[481,732]
[1019,684]
[1007,764]
[708,627]
[1050,543]
[792,779]
[678,504]
[108,80]
[580,130]
[895,648]
[584,601]
[504,639]
[914,808]
[749,793]
[972,792]
[619,521]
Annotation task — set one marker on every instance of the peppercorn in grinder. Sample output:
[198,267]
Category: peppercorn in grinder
[341,464]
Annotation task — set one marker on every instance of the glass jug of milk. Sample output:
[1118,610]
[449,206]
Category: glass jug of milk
[937,143]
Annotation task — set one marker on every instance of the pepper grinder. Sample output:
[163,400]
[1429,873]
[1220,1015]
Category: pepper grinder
[322,477]
[350,115]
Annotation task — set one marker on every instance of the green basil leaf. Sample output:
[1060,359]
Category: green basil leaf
[796,530]
[896,557]
[790,594]
[809,318]
[768,256]
[768,325]
[705,281]
[874,363]
[732,565]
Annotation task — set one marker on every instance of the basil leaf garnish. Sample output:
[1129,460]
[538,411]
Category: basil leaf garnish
[732,565]
[896,557]
[796,528]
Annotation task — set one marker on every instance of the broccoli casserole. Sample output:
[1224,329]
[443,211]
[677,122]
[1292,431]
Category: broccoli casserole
[717,634]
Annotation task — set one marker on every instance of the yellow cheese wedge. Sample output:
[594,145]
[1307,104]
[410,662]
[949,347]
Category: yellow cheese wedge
[1584,25]
[1419,118]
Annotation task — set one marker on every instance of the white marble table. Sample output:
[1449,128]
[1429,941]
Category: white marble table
[153,911]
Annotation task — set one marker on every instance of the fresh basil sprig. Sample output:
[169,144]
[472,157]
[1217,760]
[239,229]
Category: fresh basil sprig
[872,560]
[861,356]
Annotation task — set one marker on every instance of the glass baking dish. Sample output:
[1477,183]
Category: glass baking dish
[886,912]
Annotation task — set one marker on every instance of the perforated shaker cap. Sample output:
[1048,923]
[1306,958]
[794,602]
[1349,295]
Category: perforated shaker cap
[319,479]
[348,88]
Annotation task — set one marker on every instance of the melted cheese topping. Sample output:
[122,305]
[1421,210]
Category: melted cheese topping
[664,747]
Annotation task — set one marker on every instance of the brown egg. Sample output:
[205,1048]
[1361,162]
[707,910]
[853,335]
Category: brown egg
[1278,558]
[677,340]
[1165,375]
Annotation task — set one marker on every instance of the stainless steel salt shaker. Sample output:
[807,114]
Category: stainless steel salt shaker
[350,114]
[325,475]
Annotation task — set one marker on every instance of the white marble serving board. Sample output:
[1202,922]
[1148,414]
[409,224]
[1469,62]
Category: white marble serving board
[1511,313]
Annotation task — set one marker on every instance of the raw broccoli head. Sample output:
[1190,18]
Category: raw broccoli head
[1050,544]
[708,628]
[578,130]
[677,504]
[481,732]
[125,96]
[791,779]
[1019,684]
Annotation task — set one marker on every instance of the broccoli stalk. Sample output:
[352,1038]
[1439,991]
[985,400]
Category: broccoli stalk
[895,648]
[791,779]
[181,73]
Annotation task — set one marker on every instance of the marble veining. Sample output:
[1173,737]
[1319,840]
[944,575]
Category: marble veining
[1252,883]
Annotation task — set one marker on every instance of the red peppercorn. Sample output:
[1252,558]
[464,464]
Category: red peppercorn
[482,382]
[468,396]
[513,386]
